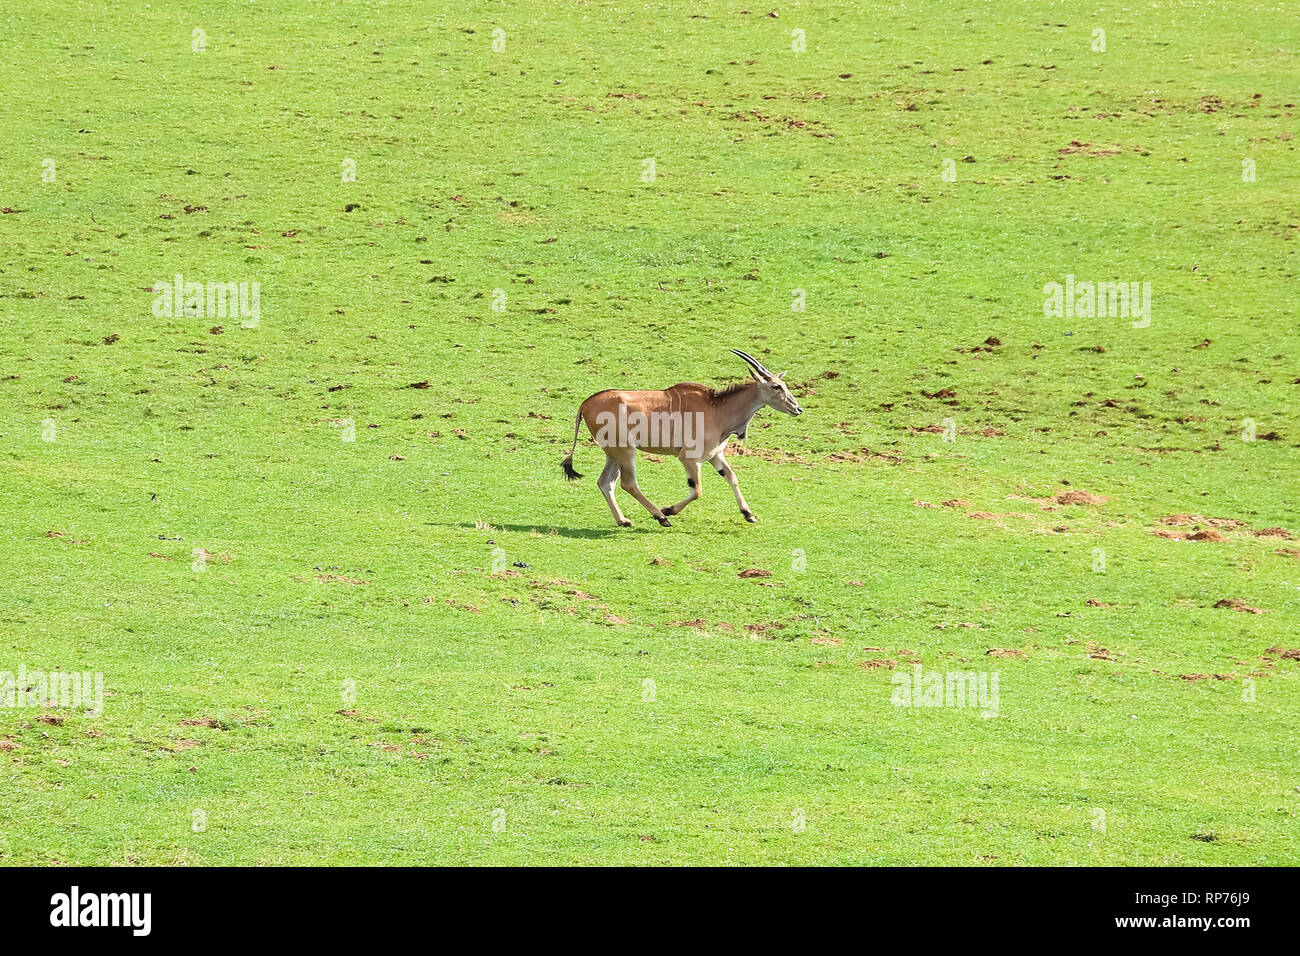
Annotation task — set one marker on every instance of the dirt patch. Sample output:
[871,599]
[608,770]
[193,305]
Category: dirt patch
[766,454]
[1236,604]
[1077,148]
[956,503]
[199,722]
[1003,652]
[754,573]
[357,715]
[1182,520]
[1272,533]
[878,664]
[1208,529]
[787,124]
[864,456]
[989,345]
[827,641]
[1077,497]
[697,623]
[329,578]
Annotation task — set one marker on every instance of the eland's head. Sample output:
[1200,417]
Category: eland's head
[771,389]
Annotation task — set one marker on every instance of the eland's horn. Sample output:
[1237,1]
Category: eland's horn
[754,363]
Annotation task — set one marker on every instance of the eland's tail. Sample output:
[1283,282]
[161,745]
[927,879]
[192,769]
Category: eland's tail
[567,464]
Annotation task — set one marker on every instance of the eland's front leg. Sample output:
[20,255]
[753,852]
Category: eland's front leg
[720,463]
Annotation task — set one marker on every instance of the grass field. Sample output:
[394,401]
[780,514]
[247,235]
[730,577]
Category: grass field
[347,610]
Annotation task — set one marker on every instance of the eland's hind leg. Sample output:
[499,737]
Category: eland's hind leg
[692,482]
[608,476]
[627,468]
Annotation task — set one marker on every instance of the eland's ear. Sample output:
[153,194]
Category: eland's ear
[783,375]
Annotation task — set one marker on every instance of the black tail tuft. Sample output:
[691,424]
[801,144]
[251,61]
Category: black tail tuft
[569,471]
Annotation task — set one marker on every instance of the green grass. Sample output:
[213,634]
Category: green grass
[521,700]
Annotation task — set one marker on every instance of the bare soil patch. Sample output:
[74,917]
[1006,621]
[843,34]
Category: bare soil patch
[1236,604]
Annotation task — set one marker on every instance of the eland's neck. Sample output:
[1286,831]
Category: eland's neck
[738,409]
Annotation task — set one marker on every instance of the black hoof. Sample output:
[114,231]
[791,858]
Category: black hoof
[665,522]
[750,518]
[669,511]
[625,524]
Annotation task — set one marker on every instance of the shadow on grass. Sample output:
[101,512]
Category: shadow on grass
[543,529]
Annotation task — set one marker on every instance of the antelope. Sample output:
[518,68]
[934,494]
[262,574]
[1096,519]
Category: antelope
[691,422]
